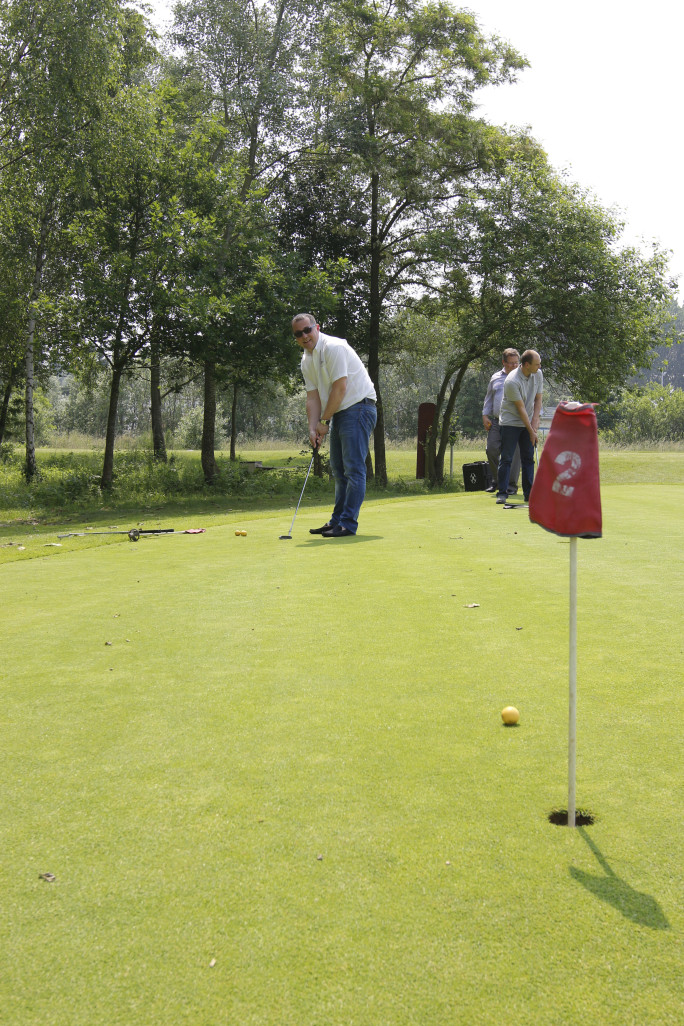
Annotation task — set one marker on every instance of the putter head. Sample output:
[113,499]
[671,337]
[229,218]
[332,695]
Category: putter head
[285,537]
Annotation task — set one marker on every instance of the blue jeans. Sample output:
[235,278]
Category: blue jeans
[350,433]
[493,450]
[511,438]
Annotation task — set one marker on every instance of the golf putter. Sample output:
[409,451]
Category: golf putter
[288,537]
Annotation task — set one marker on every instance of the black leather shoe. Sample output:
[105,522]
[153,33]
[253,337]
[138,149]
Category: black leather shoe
[320,530]
[338,532]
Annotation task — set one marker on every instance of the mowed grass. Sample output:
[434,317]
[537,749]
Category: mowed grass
[272,783]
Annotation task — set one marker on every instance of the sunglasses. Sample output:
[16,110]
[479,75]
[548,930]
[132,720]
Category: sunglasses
[304,331]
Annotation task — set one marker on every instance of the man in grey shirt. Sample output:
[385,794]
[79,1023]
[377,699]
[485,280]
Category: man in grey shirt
[490,419]
[519,419]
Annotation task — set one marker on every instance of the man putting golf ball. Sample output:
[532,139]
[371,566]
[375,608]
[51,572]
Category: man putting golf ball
[340,401]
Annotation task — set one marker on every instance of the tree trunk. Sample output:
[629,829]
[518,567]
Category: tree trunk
[369,465]
[30,465]
[108,464]
[209,423]
[379,444]
[7,395]
[374,336]
[158,440]
[438,438]
[446,422]
[233,423]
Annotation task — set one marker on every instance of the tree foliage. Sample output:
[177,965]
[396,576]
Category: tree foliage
[60,62]
[236,62]
[393,85]
[531,261]
[649,413]
[292,155]
[124,234]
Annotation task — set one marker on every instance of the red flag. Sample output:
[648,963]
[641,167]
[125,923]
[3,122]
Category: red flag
[566,495]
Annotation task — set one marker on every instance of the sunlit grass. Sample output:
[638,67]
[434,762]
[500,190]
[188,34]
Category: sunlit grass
[272,784]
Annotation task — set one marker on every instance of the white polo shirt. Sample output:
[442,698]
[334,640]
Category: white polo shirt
[334,358]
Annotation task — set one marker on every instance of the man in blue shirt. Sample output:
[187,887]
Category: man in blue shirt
[490,419]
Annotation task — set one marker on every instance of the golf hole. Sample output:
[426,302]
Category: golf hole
[559,817]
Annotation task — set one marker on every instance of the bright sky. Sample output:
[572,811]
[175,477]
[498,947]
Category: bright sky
[603,96]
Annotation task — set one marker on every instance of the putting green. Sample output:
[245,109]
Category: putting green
[273,786]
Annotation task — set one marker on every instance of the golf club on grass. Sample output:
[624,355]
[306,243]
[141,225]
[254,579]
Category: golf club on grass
[134,533]
[288,537]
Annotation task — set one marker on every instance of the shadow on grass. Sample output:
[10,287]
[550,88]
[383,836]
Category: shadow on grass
[640,908]
[306,541]
[317,540]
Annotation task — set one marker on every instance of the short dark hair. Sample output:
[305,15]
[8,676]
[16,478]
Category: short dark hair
[510,352]
[528,356]
[300,317]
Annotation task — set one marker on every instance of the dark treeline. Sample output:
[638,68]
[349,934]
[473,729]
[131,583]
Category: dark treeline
[167,204]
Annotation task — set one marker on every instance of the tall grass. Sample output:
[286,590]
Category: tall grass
[70,480]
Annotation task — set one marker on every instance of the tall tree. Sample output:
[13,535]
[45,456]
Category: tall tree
[531,261]
[59,62]
[240,61]
[395,82]
[128,236]
[12,310]
[234,314]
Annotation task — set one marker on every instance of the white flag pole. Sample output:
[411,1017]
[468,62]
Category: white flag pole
[572,736]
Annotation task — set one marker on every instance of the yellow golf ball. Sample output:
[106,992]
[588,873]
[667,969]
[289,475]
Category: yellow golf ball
[510,715]
[243,533]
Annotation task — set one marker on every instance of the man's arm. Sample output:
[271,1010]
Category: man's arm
[536,412]
[337,394]
[522,413]
[488,408]
[313,415]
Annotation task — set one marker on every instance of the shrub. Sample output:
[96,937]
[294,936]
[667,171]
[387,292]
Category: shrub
[188,434]
[7,453]
[652,413]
